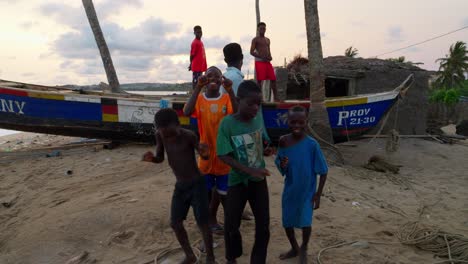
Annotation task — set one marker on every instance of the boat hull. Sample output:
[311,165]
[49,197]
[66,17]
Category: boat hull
[130,118]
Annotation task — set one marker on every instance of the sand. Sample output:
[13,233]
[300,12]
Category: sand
[116,208]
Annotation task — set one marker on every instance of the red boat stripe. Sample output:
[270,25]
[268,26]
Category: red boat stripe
[13,92]
[289,105]
[110,109]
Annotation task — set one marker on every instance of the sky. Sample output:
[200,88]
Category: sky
[51,43]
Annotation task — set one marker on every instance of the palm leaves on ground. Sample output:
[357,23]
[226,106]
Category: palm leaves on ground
[453,67]
[351,52]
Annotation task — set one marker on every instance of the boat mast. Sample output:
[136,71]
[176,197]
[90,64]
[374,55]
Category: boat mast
[102,45]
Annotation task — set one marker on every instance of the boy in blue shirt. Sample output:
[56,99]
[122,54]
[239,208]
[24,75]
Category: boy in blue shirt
[300,160]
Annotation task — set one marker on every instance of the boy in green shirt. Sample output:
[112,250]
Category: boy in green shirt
[240,145]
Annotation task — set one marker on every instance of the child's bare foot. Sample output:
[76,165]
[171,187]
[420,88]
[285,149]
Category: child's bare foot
[290,254]
[303,256]
[189,260]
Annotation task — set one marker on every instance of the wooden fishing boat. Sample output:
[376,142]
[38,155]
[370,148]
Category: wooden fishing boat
[129,117]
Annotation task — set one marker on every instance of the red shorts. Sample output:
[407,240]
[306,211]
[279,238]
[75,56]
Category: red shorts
[264,71]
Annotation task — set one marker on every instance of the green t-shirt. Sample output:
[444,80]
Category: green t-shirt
[244,142]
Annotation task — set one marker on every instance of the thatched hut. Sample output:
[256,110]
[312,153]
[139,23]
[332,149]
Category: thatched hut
[351,76]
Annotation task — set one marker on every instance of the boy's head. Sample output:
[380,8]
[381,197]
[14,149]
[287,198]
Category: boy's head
[249,95]
[261,27]
[197,30]
[297,120]
[214,76]
[167,122]
[233,55]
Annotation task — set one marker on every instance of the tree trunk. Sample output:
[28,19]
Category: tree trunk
[318,116]
[101,43]
[257,13]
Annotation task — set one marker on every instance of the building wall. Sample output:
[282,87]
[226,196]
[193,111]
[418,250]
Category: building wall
[408,116]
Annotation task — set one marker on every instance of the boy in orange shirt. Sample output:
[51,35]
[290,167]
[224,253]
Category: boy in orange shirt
[210,108]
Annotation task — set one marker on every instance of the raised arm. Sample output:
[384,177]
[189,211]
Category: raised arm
[227,84]
[159,157]
[190,106]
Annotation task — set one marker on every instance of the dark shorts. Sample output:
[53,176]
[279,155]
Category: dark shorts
[195,76]
[188,194]
[218,181]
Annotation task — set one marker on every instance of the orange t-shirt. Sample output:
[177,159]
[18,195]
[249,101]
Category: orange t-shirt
[209,113]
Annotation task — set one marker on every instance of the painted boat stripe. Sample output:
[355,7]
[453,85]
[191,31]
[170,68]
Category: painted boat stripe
[13,92]
[82,99]
[381,97]
[184,120]
[346,102]
[47,96]
[110,109]
[110,118]
[135,103]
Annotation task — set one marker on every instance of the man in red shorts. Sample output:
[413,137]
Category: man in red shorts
[260,49]
[197,56]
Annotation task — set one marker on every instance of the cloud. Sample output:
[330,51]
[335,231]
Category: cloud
[133,50]
[395,34]
[464,22]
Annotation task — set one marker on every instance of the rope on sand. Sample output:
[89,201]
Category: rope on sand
[196,250]
[171,250]
[442,244]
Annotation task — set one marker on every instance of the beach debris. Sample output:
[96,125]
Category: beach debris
[111,145]
[356,204]
[462,128]
[55,153]
[9,201]
[83,258]
[377,163]
[360,244]
[69,172]
[120,237]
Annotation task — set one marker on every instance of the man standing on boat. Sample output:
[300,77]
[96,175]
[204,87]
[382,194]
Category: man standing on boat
[197,56]
[260,49]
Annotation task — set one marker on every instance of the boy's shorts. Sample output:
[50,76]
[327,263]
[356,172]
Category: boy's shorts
[188,194]
[195,76]
[264,71]
[218,181]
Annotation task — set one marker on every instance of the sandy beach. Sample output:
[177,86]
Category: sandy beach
[115,207]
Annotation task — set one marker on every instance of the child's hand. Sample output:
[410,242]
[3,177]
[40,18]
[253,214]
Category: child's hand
[204,151]
[202,81]
[316,201]
[268,151]
[148,156]
[259,173]
[227,84]
[284,162]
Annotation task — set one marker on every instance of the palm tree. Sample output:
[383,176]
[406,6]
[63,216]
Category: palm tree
[318,116]
[351,52]
[101,43]
[257,12]
[453,67]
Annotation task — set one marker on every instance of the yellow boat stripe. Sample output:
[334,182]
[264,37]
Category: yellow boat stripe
[184,120]
[345,102]
[47,96]
[110,118]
